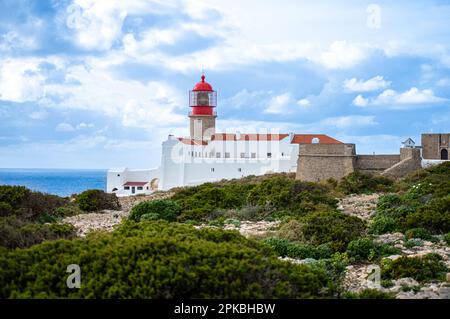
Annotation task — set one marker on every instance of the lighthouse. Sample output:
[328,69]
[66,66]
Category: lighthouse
[202,101]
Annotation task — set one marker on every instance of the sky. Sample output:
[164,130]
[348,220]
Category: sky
[100,84]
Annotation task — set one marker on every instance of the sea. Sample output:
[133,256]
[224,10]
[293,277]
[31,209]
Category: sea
[62,182]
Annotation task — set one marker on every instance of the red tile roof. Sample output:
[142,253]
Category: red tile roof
[307,139]
[135,183]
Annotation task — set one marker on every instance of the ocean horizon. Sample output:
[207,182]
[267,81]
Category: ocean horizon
[57,181]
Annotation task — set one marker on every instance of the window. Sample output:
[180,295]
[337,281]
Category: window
[195,154]
[147,187]
[239,169]
[253,155]
[269,155]
[282,154]
[242,155]
[118,175]
[212,169]
[315,140]
[140,188]
[127,188]
[211,154]
[227,155]
[218,155]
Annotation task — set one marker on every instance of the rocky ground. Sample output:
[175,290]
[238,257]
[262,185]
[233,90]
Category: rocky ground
[107,219]
[250,229]
[362,206]
[357,276]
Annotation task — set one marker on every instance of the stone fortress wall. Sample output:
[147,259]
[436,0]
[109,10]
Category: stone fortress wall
[322,161]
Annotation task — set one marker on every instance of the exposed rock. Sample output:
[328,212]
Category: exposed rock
[362,206]
[250,228]
[107,219]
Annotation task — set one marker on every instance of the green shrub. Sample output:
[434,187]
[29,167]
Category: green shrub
[358,183]
[420,233]
[447,238]
[95,199]
[369,294]
[434,217]
[158,260]
[413,242]
[285,248]
[292,231]
[382,225]
[335,228]
[155,209]
[19,233]
[366,249]
[424,268]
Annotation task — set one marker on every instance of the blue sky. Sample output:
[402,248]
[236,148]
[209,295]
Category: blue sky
[99,84]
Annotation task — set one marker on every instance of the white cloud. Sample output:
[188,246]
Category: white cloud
[373,84]
[83,125]
[394,99]
[20,80]
[39,115]
[64,127]
[341,55]
[279,104]
[360,101]
[304,102]
[350,121]
[133,103]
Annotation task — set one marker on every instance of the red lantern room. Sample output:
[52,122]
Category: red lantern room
[202,99]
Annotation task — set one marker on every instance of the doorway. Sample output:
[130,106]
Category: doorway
[133,190]
[444,154]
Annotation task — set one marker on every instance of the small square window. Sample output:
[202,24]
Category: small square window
[239,169]
[253,155]
[269,155]
[227,155]
[212,169]
[118,175]
[127,188]
[218,155]
[242,155]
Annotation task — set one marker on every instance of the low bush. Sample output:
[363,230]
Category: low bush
[161,260]
[292,231]
[358,183]
[425,268]
[366,249]
[447,238]
[382,225]
[335,228]
[285,248]
[369,294]
[156,209]
[420,233]
[434,216]
[19,233]
[95,200]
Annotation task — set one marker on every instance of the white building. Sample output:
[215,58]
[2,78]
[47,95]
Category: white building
[207,156]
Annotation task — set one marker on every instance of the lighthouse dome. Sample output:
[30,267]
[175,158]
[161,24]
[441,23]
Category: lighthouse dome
[202,85]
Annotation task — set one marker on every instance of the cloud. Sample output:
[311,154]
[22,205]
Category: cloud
[350,121]
[279,104]
[20,80]
[391,98]
[64,127]
[341,55]
[359,100]
[373,84]
[135,104]
[39,115]
[83,125]
[304,102]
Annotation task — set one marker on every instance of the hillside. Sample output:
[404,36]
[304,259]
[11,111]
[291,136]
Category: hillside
[264,237]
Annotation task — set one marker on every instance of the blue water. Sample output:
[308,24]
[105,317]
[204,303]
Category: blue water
[62,182]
